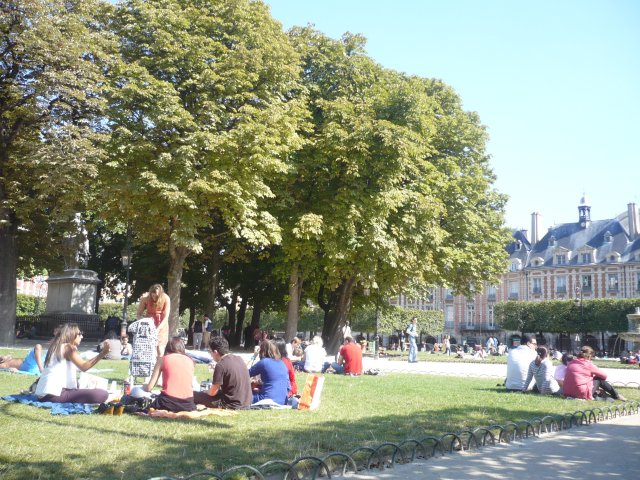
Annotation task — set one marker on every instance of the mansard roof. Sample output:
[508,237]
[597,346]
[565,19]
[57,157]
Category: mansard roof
[603,236]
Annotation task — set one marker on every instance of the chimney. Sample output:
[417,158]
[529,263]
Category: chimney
[634,223]
[535,228]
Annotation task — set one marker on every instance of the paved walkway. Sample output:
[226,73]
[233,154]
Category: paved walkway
[607,450]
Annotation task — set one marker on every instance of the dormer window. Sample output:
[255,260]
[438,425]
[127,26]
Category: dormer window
[552,241]
[608,238]
[613,257]
[518,245]
[537,262]
[516,265]
[561,259]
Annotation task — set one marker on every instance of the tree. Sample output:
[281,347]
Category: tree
[51,104]
[564,316]
[204,112]
[393,187]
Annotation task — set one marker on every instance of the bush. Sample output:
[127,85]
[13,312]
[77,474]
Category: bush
[29,305]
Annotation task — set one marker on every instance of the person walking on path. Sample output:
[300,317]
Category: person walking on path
[412,333]
[206,335]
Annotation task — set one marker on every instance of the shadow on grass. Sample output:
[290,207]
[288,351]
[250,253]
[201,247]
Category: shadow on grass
[101,447]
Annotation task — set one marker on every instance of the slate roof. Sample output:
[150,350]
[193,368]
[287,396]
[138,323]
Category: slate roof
[605,237]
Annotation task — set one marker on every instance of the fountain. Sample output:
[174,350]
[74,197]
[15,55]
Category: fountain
[633,335]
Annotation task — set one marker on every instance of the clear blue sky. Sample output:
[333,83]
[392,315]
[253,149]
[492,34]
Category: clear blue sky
[557,83]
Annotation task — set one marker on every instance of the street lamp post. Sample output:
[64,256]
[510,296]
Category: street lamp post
[126,263]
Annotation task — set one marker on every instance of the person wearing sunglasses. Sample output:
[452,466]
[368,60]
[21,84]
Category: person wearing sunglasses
[59,382]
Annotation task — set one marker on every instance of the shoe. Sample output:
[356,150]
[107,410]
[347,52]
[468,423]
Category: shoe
[622,398]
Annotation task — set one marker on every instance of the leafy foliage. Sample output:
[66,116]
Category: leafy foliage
[562,316]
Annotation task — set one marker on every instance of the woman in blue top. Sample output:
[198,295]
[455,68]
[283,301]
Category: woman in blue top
[274,377]
[32,364]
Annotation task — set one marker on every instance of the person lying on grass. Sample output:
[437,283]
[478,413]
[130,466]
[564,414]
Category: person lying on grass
[32,363]
[177,375]
[59,383]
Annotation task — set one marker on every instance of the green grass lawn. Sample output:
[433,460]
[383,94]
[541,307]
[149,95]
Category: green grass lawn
[440,357]
[367,410]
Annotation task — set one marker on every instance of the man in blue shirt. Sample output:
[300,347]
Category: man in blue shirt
[412,333]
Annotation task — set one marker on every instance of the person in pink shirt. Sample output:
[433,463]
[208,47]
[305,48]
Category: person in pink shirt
[177,374]
[583,379]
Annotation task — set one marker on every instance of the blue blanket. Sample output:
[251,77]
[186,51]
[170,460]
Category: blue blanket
[56,408]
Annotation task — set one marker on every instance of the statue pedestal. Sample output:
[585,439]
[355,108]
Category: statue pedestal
[72,291]
[71,298]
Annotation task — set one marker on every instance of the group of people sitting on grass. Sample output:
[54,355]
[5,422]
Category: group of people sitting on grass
[234,385]
[529,368]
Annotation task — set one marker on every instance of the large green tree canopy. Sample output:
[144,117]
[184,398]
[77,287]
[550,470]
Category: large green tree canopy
[51,105]
[204,111]
[393,186]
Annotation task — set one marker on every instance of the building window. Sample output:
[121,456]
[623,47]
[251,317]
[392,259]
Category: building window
[561,284]
[586,283]
[449,318]
[552,241]
[561,259]
[513,291]
[607,237]
[471,311]
[537,285]
[490,320]
[612,282]
[638,282]
[491,293]
[516,265]
[586,258]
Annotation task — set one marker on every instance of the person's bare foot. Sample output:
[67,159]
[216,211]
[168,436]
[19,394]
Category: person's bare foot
[5,358]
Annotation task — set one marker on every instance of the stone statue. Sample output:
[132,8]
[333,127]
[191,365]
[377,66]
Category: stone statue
[76,245]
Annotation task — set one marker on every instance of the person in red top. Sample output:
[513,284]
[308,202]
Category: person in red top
[580,375]
[177,374]
[156,304]
[349,359]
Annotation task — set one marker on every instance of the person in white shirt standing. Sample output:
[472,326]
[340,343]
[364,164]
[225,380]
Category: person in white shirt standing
[518,362]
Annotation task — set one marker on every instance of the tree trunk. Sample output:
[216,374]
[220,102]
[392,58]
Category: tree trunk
[8,272]
[293,313]
[336,317]
[255,323]
[177,256]
[240,321]
[210,301]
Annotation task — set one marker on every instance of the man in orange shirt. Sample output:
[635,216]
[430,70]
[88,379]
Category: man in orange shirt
[349,359]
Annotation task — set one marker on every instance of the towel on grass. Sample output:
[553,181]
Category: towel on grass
[189,415]
[268,404]
[18,371]
[56,408]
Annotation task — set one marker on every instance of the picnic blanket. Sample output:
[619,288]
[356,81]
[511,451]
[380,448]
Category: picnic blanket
[13,370]
[189,415]
[56,408]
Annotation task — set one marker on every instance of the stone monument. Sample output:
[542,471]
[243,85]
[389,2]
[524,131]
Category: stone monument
[71,295]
